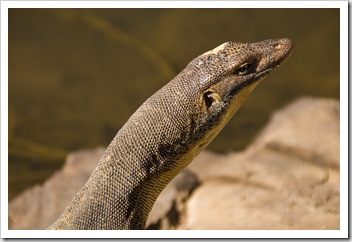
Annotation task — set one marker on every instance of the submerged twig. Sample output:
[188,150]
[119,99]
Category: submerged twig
[26,148]
[115,33]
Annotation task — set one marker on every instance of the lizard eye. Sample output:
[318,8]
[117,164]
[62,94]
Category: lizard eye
[243,69]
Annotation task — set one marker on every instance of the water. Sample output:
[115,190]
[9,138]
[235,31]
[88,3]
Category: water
[76,75]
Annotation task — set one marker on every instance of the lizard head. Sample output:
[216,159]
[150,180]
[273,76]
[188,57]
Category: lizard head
[228,74]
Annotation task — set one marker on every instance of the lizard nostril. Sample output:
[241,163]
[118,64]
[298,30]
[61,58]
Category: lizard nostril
[277,46]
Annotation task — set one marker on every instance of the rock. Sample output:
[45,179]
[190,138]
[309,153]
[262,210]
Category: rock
[308,128]
[240,206]
[41,205]
[288,178]
[273,192]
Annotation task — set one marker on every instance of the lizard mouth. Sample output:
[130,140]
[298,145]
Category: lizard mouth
[264,73]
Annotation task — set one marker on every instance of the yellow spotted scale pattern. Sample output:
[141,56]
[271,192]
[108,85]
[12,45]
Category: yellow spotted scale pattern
[166,133]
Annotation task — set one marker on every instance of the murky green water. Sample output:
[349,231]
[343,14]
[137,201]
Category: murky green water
[75,76]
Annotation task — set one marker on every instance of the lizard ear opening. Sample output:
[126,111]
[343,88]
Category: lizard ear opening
[210,97]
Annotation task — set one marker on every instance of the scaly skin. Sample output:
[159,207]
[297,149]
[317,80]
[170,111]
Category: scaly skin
[165,134]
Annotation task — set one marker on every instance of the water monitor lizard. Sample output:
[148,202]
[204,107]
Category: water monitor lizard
[165,134]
